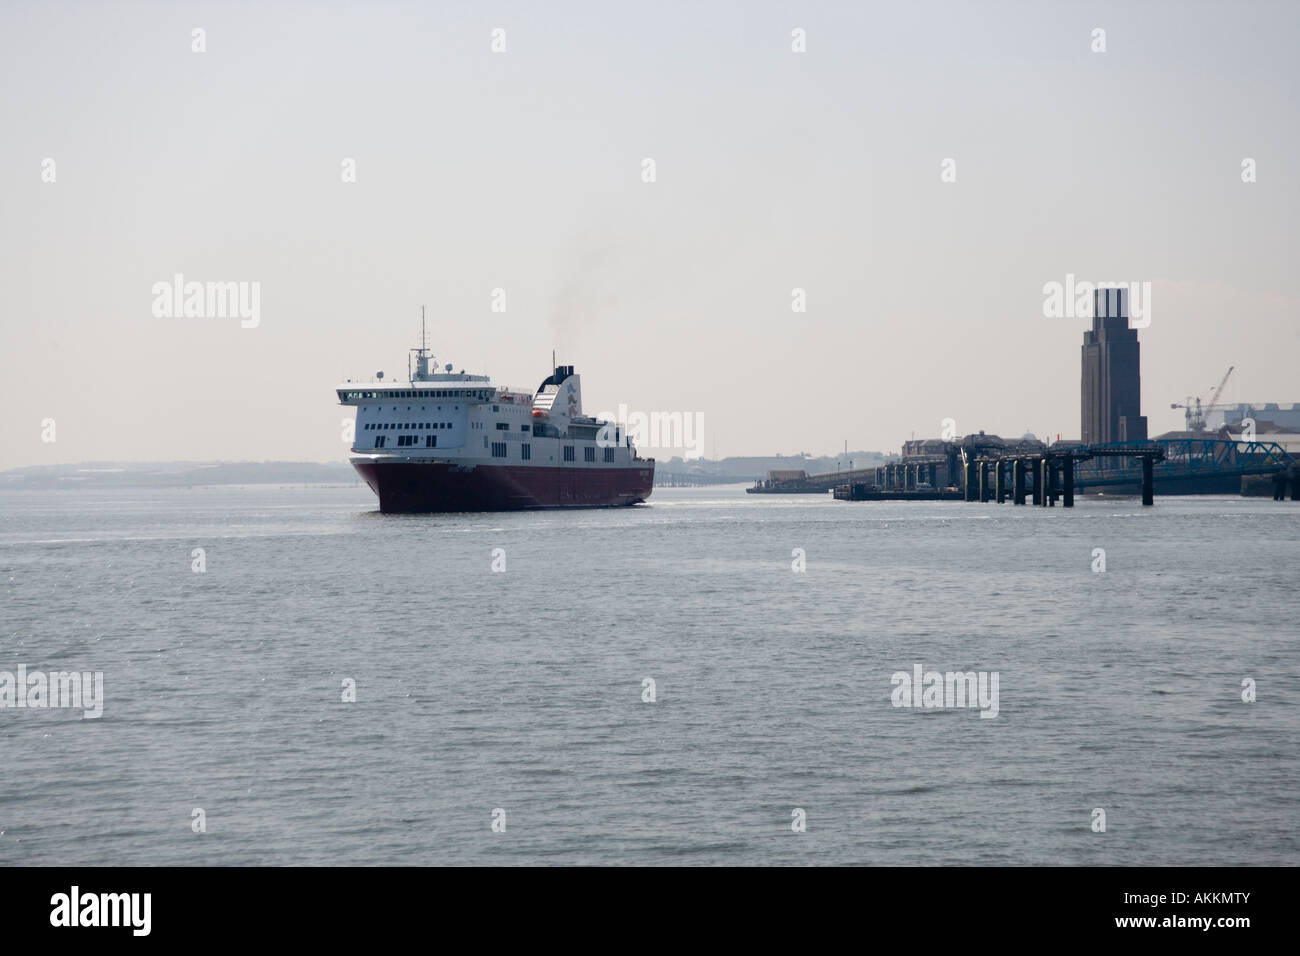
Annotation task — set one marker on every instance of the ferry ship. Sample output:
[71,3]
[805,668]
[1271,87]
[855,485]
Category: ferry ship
[451,441]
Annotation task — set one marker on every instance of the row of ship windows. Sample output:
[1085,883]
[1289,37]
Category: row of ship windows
[403,441]
[499,448]
[526,452]
[421,426]
[416,394]
[404,426]
[366,409]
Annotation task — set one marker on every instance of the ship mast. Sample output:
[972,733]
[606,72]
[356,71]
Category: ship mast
[421,354]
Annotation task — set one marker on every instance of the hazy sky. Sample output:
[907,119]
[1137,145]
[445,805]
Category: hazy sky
[522,170]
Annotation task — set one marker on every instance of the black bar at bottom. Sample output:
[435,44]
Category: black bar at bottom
[305,906]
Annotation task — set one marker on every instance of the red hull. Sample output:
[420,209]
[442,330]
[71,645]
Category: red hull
[440,486]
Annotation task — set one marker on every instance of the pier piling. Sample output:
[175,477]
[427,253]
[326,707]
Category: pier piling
[1048,475]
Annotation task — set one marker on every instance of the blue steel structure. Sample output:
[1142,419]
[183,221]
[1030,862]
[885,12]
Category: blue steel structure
[1182,459]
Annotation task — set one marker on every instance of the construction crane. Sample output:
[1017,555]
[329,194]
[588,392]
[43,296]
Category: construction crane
[1194,413]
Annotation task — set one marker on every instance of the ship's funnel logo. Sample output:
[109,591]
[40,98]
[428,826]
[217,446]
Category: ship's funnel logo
[683,431]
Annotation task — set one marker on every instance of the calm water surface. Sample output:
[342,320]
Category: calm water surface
[522,690]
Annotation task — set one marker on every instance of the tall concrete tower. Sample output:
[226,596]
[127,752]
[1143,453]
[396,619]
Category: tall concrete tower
[1112,379]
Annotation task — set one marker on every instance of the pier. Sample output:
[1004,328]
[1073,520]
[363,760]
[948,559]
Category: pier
[1050,476]
[1044,477]
[985,468]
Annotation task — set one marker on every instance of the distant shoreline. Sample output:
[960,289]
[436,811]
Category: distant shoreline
[190,474]
[100,475]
